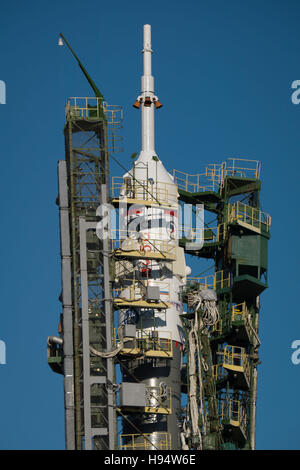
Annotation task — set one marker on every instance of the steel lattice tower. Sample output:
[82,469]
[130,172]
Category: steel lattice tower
[238,245]
[87,318]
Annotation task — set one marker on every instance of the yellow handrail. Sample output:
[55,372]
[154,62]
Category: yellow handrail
[219,280]
[213,177]
[159,245]
[218,371]
[133,290]
[248,215]
[218,327]
[239,310]
[241,167]
[148,343]
[206,234]
[234,411]
[158,343]
[87,107]
[195,183]
[142,190]
[236,358]
[162,441]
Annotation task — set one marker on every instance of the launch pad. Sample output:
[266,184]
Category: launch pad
[153,358]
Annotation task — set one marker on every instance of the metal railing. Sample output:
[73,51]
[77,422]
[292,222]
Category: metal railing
[160,246]
[240,167]
[213,172]
[206,234]
[150,343]
[240,313]
[219,280]
[239,212]
[213,177]
[218,372]
[218,327]
[93,108]
[142,190]
[233,411]
[133,290]
[157,441]
[207,181]
[235,358]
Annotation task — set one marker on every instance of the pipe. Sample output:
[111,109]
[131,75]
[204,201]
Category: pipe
[54,340]
[254,388]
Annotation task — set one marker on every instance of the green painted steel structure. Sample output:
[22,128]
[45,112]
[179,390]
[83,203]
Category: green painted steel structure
[87,318]
[230,348]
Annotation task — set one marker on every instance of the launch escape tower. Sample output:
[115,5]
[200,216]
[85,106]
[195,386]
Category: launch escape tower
[137,332]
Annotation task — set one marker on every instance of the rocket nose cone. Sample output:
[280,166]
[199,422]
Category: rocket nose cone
[149,169]
[149,163]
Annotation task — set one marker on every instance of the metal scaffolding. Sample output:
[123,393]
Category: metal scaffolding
[228,348]
[90,134]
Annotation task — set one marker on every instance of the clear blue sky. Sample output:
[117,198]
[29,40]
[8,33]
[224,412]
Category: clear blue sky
[223,72]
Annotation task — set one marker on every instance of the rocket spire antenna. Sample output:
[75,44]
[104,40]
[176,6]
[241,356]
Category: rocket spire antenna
[147,101]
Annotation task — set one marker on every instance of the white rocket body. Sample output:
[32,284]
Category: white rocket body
[156,222]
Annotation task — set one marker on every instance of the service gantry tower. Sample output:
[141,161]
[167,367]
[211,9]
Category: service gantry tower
[86,322]
[225,345]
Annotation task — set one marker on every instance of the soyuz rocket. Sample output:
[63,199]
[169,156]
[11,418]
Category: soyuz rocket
[157,225]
